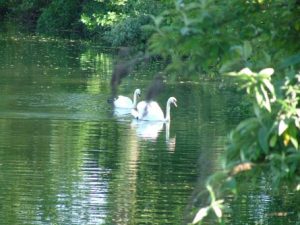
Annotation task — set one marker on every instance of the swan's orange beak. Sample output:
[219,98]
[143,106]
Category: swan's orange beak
[175,103]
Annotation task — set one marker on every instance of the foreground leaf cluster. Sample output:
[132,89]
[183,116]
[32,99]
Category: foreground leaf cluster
[269,140]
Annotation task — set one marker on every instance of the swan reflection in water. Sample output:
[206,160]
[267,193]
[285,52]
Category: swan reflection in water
[150,130]
[171,142]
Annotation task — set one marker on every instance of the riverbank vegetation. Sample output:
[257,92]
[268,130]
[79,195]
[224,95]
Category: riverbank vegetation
[195,37]
[115,23]
[268,141]
[198,38]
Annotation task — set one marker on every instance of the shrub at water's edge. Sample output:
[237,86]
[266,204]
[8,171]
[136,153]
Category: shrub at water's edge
[213,37]
[113,23]
[61,18]
[269,140]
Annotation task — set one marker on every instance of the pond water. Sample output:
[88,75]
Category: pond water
[67,157]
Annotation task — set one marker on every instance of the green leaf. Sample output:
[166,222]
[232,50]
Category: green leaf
[257,111]
[246,71]
[282,127]
[238,49]
[294,157]
[231,184]
[247,50]
[273,141]
[201,214]
[227,66]
[270,87]
[263,137]
[192,5]
[293,135]
[148,27]
[259,97]
[157,20]
[266,102]
[184,31]
[267,57]
[217,210]
[294,142]
[266,71]
[248,124]
[292,60]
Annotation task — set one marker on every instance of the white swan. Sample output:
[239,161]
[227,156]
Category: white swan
[125,102]
[152,112]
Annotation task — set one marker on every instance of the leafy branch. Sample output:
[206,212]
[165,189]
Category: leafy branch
[270,139]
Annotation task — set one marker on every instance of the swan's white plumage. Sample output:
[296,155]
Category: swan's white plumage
[151,111]
[125,102]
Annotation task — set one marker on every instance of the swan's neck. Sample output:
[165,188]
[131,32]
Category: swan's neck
[168,117]
[134,99]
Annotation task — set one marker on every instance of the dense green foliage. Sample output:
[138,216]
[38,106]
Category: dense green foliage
[269,140]
[25,12]
[209,35]
[115,23]
[205,36]
[120,22]
[60,18]
[272,135]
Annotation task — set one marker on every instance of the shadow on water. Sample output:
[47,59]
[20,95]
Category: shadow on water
[67,158]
